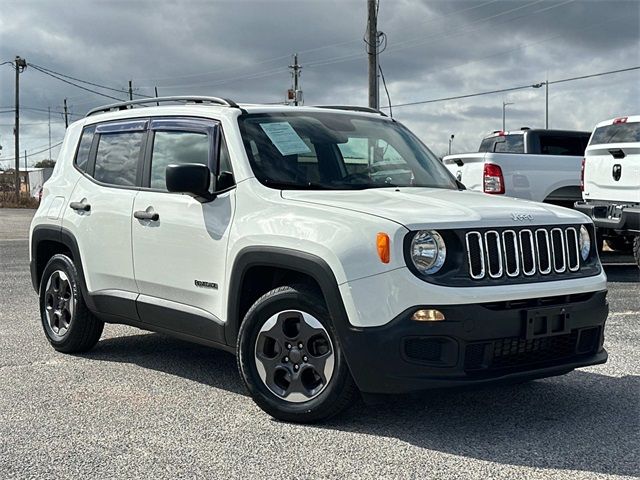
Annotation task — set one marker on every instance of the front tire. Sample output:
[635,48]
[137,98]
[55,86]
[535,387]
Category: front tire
[291,359]
[636,249]
[67,322]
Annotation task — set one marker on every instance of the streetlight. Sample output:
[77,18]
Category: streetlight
[504,107]
[450,142]
[546,103]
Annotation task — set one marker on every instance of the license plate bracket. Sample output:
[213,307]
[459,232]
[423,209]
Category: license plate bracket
[547,322]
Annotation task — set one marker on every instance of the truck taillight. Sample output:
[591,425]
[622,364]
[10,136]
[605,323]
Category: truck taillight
[493,180]
[582,175]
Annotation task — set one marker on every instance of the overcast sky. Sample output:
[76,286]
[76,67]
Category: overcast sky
[241,49]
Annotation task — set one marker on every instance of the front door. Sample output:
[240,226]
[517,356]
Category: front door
[179,243]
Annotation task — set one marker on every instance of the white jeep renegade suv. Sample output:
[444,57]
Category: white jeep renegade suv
[327,247]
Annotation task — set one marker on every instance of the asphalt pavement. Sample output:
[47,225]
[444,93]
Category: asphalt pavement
[143,405]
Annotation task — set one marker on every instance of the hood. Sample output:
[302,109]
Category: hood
[416,208]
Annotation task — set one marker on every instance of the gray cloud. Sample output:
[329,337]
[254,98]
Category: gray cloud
[241,49]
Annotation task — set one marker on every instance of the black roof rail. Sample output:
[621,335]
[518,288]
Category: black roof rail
[159,100]
[353,108]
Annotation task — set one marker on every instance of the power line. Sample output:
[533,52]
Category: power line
[76,85]
[511,89]
[85,81]
[32,154]
[454,33]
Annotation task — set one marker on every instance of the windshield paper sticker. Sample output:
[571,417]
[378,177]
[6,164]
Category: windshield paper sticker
[285,138]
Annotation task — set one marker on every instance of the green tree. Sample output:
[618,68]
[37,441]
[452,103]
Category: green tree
[46,164]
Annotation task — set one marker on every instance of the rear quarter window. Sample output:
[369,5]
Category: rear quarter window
[616,133]
[84,148]
[509,144]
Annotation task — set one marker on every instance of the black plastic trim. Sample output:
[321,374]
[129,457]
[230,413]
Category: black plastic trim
[378,364]
[279,257]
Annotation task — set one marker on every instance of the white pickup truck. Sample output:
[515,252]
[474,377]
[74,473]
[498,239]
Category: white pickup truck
[539,165]
[611,179]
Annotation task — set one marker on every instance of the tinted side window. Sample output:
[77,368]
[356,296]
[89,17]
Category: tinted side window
[173,148]
[82,155]
[510,144]
[559,145]
[487,145]
[117,158]
[616,133]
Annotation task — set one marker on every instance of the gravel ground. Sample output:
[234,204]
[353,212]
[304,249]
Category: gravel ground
[143,405]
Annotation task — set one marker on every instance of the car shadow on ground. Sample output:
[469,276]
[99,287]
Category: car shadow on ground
[581,421]
[622,273]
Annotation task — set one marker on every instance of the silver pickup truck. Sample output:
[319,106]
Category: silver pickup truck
[539,165]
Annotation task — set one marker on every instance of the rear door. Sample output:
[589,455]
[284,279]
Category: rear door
[99,212]
[612,162]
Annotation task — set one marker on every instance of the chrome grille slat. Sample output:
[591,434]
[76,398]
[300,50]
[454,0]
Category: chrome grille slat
[557,232]
[547,249]
[572,245]
[531,248]
[477,241]
[495,242]
[525,252]
[513,243]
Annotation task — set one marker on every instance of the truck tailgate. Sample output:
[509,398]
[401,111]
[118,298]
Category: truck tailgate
[468,168]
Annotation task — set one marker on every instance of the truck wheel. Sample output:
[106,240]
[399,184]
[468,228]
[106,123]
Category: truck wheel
[636,249]
[291,359]
[68,324]
[620,244]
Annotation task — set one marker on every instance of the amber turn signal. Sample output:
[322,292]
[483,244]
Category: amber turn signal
[384,247]
[428,315]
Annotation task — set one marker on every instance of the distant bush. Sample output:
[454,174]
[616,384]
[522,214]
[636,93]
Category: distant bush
[45,164]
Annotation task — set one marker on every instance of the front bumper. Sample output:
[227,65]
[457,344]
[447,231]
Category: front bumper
[610,215]
[478,344]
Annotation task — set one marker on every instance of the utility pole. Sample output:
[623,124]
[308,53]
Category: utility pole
[130,89]
[504,107]
[20,65]
[546,105]
[26,175]
[296,95]
[372,51]
[66,115]
[49,110]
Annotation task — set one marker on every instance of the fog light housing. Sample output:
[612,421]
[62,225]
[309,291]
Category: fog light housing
[428,315]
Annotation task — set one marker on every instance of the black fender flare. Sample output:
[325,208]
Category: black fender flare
[291,259]
[64,237]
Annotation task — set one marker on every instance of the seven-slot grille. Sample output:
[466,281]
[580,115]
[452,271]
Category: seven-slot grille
[496,253]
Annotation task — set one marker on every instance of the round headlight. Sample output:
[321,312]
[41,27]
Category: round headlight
[428,251]
[585,242]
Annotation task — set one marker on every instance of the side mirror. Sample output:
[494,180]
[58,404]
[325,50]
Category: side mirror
[191,178]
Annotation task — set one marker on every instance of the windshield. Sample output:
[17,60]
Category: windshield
[302,150]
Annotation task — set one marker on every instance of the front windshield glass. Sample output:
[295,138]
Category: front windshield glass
[302,150]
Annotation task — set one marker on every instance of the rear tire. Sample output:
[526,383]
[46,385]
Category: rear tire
[636,249]
[67,322]
[290,358]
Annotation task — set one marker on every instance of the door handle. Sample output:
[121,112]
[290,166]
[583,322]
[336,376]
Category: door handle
[80,206]
[144,215]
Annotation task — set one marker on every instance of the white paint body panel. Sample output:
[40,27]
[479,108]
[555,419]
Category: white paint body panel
[526,176]
[187,243]
[599,183]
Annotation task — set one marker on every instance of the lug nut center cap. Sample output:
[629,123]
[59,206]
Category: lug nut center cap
[295,355]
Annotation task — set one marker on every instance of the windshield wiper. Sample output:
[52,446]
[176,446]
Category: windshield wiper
[298,186]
